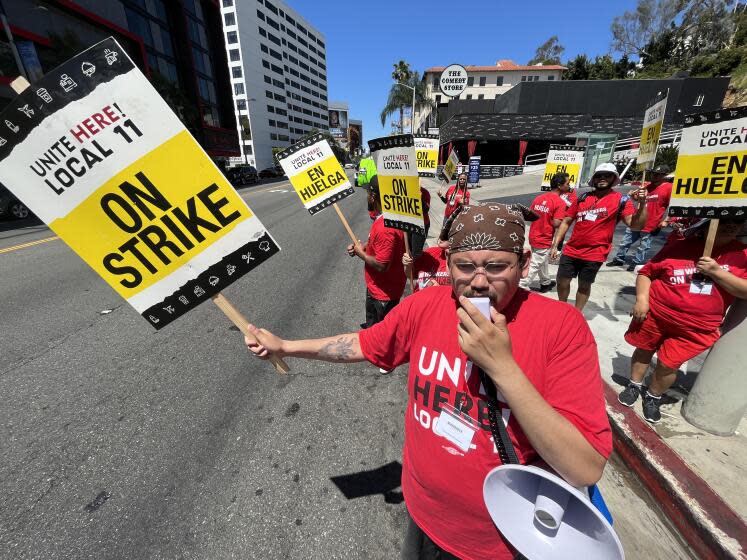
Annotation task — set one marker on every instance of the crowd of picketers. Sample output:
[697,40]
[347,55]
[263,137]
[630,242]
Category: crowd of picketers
[681,296]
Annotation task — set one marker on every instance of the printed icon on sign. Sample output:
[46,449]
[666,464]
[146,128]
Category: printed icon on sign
[213,280]
[230,269]
[169,309]
[264,246]
[88,69]
[199,292]
[3,141]
[111,56]
[183,300]
[11,126]
[26,110]
[248,257]
[155,320]
[67,83]
[44,94]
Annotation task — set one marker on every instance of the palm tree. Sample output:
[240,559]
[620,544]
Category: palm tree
[401,97]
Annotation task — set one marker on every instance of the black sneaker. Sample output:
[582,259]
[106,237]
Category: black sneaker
[629,395]
[651,408]
[544,288]
[631,267]
[615,262]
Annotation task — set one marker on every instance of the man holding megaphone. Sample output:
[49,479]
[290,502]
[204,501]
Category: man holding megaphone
[484,355]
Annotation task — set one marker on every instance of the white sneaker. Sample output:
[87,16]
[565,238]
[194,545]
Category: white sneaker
[385,371]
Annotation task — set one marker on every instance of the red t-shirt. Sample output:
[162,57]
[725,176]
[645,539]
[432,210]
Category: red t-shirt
[431,266]
[548,206]
[387,245]
[570,198]
[596,219]
[671,272]
[442,486]
[657,202]
[426,198]
[455,199]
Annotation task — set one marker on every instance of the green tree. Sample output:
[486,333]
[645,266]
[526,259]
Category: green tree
[632,31]
[548,52]
[707,26]
[400,97]
[623,67]
[603,68]
[577,68]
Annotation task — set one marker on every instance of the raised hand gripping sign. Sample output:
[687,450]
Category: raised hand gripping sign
[316,175]
[426,151]
[99,156]
[563,159]
[399,186]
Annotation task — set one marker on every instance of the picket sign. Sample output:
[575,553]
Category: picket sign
[19,85]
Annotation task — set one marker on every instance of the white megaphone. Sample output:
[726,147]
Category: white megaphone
[545,518]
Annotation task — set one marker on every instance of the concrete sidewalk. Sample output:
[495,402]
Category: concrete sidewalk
[695,477]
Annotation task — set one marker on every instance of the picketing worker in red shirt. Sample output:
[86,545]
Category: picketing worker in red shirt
[525,364]
[456,195]
[595,215]
[681,300]
[430,268]
[551,210]
[382,255]
[417,241]
[658,193]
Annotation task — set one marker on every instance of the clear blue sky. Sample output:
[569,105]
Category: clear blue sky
[364,39]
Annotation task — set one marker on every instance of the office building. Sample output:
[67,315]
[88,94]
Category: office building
[177,45]
[277,66]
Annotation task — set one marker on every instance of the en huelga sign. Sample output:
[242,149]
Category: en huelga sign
[100,157]
[564,159]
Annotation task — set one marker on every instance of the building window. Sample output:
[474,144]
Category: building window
[438,99]
[481,96]
[262,32]
[523,78]
[230,18]
[499,81]
[550,78]
[236,71]
[268,80]
[470,81]
[238,89]
[248,149]
[241,104]
[273,136]
[699,101]
[234,55]
[268,94]
[233,37]
[227,3]
[469,96]
[483,80]
[260,15]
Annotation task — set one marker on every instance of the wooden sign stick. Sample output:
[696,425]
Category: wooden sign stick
[243,325]
[345,223]
[710,238]
[19,85]
[409,254]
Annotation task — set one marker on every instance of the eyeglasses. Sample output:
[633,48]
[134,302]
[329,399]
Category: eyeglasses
[491,270]
[605,175]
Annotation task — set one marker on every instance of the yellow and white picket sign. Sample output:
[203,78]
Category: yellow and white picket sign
[101,158]
[652,122]
[426,151]
[564,159]
[450,167]
[399,186]
[316,175]
[711,176]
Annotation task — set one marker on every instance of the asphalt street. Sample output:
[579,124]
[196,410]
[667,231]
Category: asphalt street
[119,441]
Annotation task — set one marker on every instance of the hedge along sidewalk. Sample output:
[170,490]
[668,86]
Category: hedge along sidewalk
[694,476]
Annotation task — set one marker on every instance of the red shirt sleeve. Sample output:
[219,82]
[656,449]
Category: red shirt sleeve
[574,383]
[560,209]
[466,197]
[387,343]
[628,209]
[426,196]
[383,244]
[572,211]
[666,195]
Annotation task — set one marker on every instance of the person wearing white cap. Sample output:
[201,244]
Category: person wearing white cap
[595,214]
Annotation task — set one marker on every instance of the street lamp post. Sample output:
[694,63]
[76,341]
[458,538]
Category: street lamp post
[412,115]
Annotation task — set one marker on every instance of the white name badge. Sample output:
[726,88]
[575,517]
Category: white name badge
[701,287]
[590,217]
[456,427]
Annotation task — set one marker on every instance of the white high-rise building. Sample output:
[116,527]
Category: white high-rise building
[278,67]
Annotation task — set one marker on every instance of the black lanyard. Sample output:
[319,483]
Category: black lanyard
[497,427]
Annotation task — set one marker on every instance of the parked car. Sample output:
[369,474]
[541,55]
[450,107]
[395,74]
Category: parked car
[271,172]
[243,175]
[11,206]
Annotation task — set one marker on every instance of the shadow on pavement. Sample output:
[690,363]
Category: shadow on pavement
[383,480]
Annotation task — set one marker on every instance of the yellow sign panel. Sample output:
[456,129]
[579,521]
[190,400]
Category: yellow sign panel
[450,166]
[401,196]
[573,170]
[652,121]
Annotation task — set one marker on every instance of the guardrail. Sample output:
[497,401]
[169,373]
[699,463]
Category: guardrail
[536,159]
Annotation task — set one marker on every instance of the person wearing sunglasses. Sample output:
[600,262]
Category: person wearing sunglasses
[681,301]
[595,216]
[520,361]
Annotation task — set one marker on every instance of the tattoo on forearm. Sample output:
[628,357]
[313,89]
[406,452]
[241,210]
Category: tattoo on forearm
[338,350]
